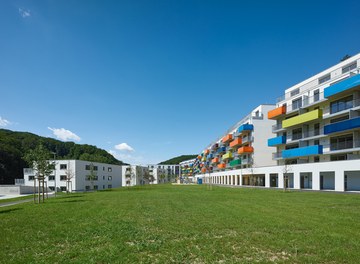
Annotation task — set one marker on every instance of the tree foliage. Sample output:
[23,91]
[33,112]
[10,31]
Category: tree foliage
[13,145]
[178,159]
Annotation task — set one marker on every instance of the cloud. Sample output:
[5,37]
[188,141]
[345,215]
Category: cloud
[4,122]
[64,134]
[124,147]
[24,13]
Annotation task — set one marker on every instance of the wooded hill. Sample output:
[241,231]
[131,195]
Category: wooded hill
[14,145]
[178,159]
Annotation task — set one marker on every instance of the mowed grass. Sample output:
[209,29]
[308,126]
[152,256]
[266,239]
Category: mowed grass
[184,224]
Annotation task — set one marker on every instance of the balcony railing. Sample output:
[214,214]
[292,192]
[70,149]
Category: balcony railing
[276,127]
[276,155]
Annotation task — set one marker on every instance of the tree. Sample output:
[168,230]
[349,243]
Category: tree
[69,175]
[286,170]
[38,159]
[92,176]
[162,177]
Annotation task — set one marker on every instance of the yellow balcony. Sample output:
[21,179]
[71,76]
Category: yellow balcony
[303,118]
[227,156]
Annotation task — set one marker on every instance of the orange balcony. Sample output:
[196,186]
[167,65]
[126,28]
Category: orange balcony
[221,166]
[277,112]
[215,160]
[235,142]
[199,157]
[227,138]
[206,151]
[201,165]
[203,170]
[246,149]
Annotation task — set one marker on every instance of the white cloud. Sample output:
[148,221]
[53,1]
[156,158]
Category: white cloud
[124,147]
[64,134]
[4,122]
[24,13]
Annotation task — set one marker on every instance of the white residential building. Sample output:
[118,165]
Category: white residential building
[74,175]
[135,175]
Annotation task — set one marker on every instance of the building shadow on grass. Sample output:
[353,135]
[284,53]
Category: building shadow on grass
[9,210]
[70,196]
[71,201]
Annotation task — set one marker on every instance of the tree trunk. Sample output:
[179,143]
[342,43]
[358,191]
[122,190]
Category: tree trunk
[39,191]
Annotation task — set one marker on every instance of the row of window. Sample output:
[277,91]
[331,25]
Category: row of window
[95,178]
[95,168]
[96,187]
[63,178]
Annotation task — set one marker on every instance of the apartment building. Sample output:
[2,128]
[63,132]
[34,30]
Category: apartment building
[244,145]
[136,175]
[78,175]
[164,173]
[315,140]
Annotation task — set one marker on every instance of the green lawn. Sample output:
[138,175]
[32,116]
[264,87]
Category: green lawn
[184,224]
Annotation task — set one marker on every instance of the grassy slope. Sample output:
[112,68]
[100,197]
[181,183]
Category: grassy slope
[184,224]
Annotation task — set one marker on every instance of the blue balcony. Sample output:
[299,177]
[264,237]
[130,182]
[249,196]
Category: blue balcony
[342,86]
[276,141]
[302,152]
[245,127]
[221,150]
[342,126]
[210,156]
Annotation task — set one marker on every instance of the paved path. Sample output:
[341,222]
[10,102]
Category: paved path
[20,201]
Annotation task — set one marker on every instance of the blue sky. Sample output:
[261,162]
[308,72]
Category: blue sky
[150,80]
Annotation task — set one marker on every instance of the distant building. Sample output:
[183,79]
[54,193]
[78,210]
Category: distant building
[74,175]
[135,175]
[164,173]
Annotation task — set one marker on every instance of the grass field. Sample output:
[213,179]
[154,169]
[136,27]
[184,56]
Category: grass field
[184,224]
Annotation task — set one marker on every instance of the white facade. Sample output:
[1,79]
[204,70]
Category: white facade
[135,175]
[73,174]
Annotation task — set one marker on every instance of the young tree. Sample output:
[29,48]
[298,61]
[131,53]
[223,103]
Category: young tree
[162,177]
[69,175]
[286,170]
[92,176]
[38,159]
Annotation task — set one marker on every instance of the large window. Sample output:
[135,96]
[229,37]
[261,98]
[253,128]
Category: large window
[296,104]
[31,178]
[341,142]
[88,167]
[349,67]
[341,104]
[316,95]
[63,166]
[338,157]
[295,92]
[88,178]
[297,133]
[62,177]
[324,79]
[52,178]
[339,119]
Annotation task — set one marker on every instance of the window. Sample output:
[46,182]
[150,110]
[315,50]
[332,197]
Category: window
[87,188]
[52,178]
[296,104]
[52,188]
[63,188]
[103,177]
[95,187]
[109,186]
[295,92]
[317,129]
[341,104]
[62,177]
[316,142]
[316,95]
[341,142]
[109,178]
[88,167]
[339,119]
[31,178]
[338,157]
[349,67]
[103,187]
[324,79]
[109,169]
[103,168]
[87,178]
[63,166]
[297,133]
[316,159]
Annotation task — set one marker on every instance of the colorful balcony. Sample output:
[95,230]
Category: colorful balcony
[236,162]
[227,138]
[227,156]
[206,151]
[276,141]
[245,127]
[343,86]
[304,118]
[246,149]
[199,157]
[302,152]
[210,156]
[221,150]
[221,166]
[273,114]
[201,165]
[215,160]
[215,146]
[236,142]
[203,159]
[203,170]
[342,126]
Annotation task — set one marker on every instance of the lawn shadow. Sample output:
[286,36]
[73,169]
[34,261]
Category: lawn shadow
[70,196]
[71,201]
[10,210]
